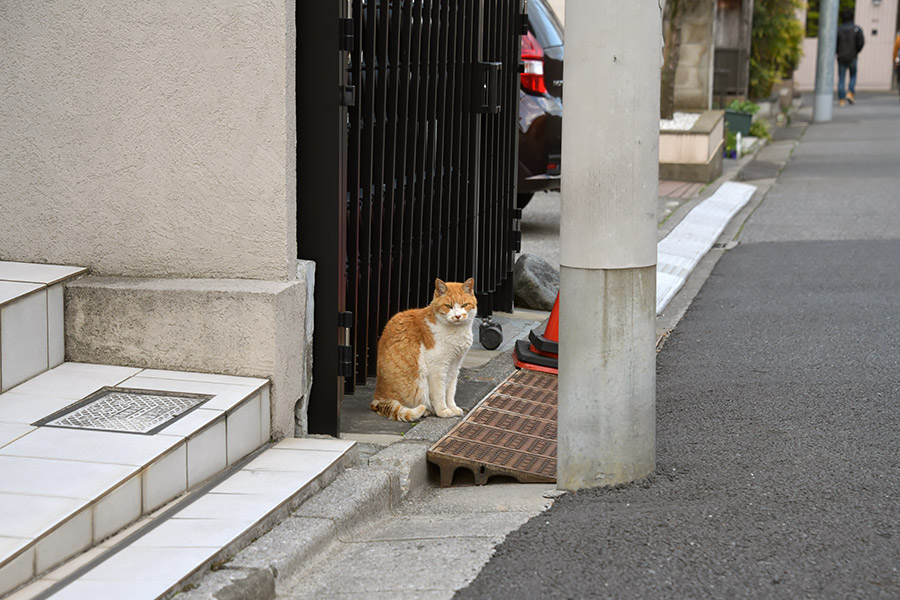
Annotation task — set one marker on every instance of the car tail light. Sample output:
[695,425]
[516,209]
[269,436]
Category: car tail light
[533,59]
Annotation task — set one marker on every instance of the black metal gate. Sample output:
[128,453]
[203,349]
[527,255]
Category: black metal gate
[432,89]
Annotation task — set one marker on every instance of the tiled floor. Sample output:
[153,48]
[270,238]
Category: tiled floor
[63,490]
[31,319]
[158,561]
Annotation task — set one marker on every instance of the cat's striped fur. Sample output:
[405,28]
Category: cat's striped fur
[420,353]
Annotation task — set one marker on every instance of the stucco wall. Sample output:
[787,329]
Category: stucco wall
[149,138]
[693,80]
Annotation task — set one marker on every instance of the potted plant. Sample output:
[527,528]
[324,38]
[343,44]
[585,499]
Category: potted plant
[739,116]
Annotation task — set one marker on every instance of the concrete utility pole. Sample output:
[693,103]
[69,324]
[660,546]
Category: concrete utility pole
[607,359]
[828,25]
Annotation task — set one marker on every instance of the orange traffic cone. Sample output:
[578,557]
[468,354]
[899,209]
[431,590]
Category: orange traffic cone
[540,352]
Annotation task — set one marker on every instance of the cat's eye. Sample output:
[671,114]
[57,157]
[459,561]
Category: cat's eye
[466,305]
[448,306]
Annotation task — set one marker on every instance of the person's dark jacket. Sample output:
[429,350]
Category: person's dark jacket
[850,41]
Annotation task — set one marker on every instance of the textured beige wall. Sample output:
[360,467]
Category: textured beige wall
[693,80]
[149,138]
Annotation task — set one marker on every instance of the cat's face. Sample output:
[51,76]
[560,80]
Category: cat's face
[455,302]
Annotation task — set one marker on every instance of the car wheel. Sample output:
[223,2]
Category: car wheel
[522,200]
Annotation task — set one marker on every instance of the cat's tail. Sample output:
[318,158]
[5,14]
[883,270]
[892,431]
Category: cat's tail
[396,411]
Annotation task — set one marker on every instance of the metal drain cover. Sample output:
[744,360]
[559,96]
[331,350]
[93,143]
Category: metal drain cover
[126,410]
[510,432]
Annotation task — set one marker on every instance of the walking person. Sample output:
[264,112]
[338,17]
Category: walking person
[850,41]
[895,57]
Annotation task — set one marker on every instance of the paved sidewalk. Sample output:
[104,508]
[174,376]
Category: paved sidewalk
[778,472]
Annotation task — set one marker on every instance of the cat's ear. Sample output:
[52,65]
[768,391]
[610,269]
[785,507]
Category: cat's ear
[469,285]
[440,288]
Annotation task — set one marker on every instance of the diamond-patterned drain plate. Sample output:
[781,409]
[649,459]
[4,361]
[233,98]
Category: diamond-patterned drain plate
[126,410]
[510,432]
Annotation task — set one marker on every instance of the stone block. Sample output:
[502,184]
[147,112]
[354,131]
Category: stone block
[228,326]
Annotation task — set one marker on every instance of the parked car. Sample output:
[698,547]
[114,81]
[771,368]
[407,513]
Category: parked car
[540,103]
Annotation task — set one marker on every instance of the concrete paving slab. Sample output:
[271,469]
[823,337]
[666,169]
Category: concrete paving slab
[422,527]
[482,499]
[402,568]
[778,152]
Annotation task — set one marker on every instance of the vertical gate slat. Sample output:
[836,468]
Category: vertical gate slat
[379,201]
[510,226]
[443,119]
[428,239]
[503,216]
[422,179]
[367,180]
[353,200]
[411,170]
[450,117]
[453,188]
[402,69]
[392,52]
[490,164]
[473,147]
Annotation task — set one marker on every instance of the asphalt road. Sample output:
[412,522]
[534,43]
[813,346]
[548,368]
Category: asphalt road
[778,409]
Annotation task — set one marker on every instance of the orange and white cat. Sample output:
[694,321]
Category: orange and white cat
[420,352]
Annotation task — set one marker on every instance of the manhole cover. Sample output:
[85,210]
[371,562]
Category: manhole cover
[126,410]
[511,432]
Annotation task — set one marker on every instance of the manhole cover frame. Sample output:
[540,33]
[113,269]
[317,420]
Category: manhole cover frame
[106,390]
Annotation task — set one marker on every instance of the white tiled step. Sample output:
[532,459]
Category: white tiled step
[65,490]
[206,530]
[31,319]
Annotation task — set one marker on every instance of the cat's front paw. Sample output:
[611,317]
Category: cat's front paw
[449,412]
[457,411]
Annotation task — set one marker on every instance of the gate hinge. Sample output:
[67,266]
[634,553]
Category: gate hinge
[486,87]
[347,95]
[345,44]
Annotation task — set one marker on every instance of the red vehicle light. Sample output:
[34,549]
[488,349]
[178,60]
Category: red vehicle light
[533,58]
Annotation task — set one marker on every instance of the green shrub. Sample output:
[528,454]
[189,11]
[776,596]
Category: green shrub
[776,45]
[812,15]
[744,106]
[760,129]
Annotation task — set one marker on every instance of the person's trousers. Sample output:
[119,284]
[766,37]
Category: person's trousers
[842,77]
